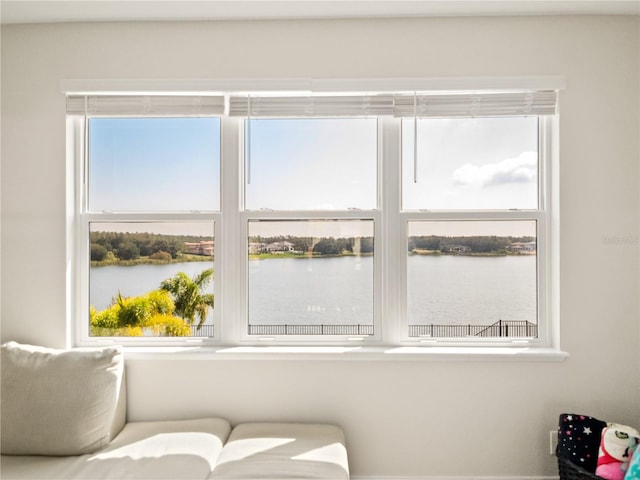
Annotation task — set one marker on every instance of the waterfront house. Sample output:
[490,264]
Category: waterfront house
[256,247]
[522,247]
[459,249]
[279,247]
[199,248]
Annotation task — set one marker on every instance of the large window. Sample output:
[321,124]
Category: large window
[376,218]
[472,273]
[147,208]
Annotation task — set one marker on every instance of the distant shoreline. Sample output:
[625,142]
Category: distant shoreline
[471,254]
[183,258]
[267,256]
[187,258]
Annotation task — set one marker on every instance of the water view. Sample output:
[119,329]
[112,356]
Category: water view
[130,281]
[442,289]
[336,290]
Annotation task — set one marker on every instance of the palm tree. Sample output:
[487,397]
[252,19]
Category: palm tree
[188,297]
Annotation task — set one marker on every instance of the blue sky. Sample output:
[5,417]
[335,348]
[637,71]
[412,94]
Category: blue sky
[312,164]
[154,164]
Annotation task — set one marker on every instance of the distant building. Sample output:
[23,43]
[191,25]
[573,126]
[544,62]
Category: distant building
[277,247]
[522,247]
[199,248]
[256,248]
[456,249]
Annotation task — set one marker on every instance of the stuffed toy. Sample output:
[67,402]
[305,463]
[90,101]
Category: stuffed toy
[616,446]
[633,473]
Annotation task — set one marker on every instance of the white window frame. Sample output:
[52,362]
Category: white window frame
[540,215]
[390,315]
[77,147]
[378,258]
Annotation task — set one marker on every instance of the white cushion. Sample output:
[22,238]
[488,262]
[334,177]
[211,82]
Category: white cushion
[278,451]
[171,450]
[58,402]
[182,449]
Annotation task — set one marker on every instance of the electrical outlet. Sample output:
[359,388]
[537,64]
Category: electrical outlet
[553,441]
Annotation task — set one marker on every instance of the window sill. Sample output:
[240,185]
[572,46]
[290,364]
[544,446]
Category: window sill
[475,354]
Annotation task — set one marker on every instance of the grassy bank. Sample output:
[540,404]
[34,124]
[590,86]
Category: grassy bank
[265,256]
[500,253]
[182,258]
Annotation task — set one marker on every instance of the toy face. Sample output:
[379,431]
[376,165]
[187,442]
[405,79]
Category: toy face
[618,444]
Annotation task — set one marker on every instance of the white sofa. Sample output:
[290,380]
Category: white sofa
[63,416]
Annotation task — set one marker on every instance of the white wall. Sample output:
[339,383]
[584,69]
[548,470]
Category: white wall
[401,418]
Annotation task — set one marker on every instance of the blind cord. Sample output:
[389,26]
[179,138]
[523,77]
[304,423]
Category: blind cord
[249,140]
[415,137]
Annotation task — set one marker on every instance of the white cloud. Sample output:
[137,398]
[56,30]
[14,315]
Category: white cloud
[522,169]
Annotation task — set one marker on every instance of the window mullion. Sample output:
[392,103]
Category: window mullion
[230,259]
[393,239]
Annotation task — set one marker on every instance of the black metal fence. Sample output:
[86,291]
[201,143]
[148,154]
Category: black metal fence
[502,328]
[360,330]
[203,331]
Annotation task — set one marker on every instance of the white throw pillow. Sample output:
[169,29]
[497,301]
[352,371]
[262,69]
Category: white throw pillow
[58,402]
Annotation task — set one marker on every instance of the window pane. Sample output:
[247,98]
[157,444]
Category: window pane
[151,279]
[311,277]
[470,163]
[311,164]
[472,279]
[154,164]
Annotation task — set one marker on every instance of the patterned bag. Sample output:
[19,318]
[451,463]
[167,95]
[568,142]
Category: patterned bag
[579,440]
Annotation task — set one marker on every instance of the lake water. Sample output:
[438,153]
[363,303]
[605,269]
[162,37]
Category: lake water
[314,291]
[450,289]
[441,289]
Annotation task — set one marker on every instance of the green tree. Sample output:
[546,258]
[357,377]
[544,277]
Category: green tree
[366,245]
[188,296]
[431,242]
[327,246]
[172,247]
[160,255]
[98,252]
[128,251]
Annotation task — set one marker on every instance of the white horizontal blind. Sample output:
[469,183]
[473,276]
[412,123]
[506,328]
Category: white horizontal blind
[311,106]
[476,104]
[162,105]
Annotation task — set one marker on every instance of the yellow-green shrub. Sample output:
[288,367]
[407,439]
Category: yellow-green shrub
[168,326]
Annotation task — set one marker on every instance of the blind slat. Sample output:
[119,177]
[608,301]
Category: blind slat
[420,105]
[310,106]
[476,105]
[145,105]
